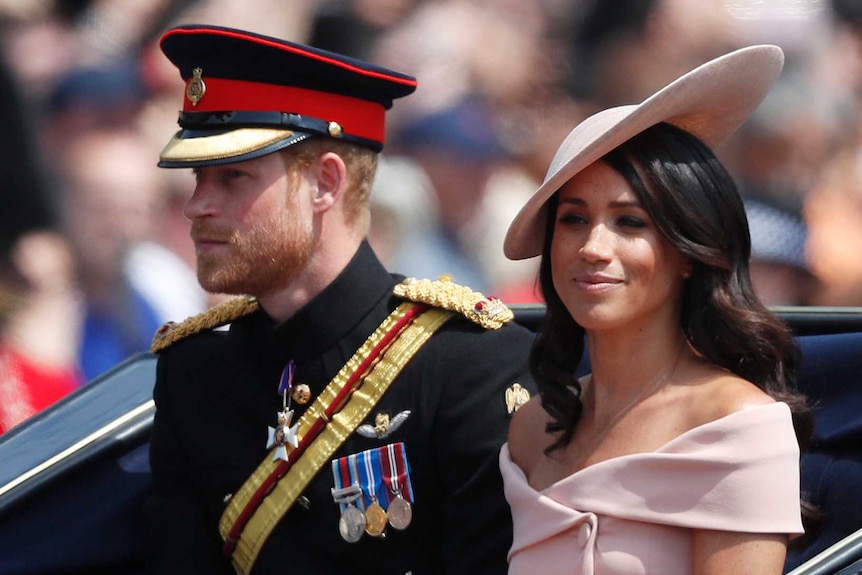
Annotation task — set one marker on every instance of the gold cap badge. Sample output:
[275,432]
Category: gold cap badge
[196,87]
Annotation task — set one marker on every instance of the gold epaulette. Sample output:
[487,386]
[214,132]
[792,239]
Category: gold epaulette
[489,312]
[216,316]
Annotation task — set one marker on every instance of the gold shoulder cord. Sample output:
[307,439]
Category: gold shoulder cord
[341,425]
[216,316]
[487,311]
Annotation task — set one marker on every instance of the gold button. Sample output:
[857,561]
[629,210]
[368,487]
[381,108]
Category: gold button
[335,129]
[301,394]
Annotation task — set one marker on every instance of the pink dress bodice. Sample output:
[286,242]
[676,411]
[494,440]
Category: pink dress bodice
[635,514]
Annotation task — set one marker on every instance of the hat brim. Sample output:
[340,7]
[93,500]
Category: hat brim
[198,148]
[710,102]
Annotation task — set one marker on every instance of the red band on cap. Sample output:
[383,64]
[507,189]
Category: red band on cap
[357,117]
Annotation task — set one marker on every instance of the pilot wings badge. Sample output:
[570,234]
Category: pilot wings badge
[383,425]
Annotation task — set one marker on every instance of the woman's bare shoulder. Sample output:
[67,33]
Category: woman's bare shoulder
[722,393]
[527,436]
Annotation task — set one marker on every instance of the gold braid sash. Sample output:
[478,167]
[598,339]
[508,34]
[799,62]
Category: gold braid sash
[254,511]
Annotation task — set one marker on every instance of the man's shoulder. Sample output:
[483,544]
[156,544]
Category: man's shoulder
[217,316]
[481,329]
[485,311]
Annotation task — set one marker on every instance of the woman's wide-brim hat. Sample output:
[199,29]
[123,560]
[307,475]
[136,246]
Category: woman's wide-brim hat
[710,102]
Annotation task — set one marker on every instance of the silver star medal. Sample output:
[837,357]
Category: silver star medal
[281,435]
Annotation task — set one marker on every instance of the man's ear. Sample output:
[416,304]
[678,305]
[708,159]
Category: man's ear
[331,181]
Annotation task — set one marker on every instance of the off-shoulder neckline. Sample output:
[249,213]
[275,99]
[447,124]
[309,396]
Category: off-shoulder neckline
[685,435]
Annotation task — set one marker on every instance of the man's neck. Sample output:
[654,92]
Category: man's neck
[322,269]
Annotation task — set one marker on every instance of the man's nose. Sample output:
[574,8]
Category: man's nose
[202,201]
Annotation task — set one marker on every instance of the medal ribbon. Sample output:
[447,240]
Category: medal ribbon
[363,469]
[356,477]
[370,473]
[334,415]
[396,472]
[286,383]
[341,473]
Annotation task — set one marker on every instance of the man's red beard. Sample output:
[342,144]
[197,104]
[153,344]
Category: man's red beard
[265,259]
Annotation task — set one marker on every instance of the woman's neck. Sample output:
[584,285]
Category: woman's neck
[626,369]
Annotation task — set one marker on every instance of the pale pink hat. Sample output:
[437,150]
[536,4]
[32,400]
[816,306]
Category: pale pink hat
[711,102]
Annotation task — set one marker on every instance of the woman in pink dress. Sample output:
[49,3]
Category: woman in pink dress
[677,454]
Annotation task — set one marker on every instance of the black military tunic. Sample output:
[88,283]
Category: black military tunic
[217,393]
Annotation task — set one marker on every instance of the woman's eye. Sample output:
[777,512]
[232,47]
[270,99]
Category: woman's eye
[631,222]
[571,219]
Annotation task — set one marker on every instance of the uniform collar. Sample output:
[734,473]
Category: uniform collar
[359,290]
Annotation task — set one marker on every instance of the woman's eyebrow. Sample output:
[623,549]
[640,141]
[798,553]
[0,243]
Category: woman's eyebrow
[614,204]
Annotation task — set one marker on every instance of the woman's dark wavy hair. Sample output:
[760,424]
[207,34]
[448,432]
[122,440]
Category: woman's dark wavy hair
[695,203]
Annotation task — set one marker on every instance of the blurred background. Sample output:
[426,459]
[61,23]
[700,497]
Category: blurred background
[94,249]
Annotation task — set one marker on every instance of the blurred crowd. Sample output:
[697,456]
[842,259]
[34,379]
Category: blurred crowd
[94,248]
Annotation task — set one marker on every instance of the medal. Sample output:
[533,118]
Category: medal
[379,482]
[351,524]
[400,513]
[397,479]
[358,478]
[376,519]
[374,513]
[283,434]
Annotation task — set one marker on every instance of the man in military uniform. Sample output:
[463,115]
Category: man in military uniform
[347,420]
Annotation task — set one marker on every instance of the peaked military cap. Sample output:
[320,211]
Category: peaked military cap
[249,95]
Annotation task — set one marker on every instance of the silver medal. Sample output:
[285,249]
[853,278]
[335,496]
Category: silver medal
[400,513]
[351,524]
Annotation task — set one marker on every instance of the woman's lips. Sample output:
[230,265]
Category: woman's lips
[596,283]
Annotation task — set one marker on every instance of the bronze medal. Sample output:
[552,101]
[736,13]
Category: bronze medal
[376,519]
[400,513]
[351,524]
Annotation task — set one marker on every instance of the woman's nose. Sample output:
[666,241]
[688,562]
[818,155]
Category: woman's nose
[597,246]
